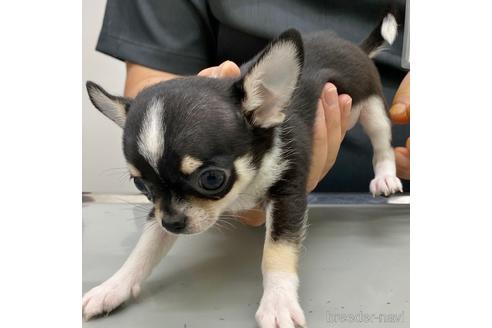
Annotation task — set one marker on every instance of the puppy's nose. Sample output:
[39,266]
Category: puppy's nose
[175,223]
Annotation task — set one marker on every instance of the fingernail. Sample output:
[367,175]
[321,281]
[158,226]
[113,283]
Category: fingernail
[330,87]
[348,104]
[330,94]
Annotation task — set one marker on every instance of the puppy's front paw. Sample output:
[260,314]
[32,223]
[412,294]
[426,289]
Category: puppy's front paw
[280,310]
[385,185]
[107,297]
[279,306]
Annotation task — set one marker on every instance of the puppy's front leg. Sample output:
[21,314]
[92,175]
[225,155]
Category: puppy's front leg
[279,306]
[152,245]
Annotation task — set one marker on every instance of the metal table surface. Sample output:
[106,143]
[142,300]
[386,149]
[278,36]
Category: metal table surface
[354,268]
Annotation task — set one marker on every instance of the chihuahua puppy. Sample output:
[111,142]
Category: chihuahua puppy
[198,147]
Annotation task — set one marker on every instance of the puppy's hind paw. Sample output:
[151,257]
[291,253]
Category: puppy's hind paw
[106,297]
[385,185]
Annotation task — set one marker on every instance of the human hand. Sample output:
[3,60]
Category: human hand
[226,69]
[330,126]
[400,114]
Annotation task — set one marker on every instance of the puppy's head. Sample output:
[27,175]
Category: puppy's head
[194,144]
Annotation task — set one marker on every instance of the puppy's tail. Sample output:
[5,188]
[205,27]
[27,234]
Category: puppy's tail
[386,31]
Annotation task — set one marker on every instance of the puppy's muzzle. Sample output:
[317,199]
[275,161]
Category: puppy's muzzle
[175,223]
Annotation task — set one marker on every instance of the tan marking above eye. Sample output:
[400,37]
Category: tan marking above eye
[134,171]
[190,164]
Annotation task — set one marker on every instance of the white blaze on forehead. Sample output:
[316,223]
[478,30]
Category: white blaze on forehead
[190,164]
[151,137]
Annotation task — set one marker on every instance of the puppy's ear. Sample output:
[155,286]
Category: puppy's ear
[269,83]
[114,108]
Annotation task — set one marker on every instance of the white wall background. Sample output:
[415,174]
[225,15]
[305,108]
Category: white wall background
[104,168]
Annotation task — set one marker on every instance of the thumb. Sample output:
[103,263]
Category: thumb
[400,110]
[228,69]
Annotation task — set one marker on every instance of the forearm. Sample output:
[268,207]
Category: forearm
[138,77]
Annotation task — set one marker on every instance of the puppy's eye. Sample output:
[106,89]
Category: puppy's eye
[212,179]
[143,188]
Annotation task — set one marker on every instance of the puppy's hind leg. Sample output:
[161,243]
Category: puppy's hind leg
[377,125]
[152,245]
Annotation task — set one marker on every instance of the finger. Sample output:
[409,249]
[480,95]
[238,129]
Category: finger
[400,109]
[400,113]
[333,124]
[345,102]
[209,72]
[254,217]
[402,159]
[319,151]
[407,144]
[329,98]
[228,69]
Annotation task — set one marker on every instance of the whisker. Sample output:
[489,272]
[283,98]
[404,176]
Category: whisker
[121,171]
[140,217]
[218,227]
[232,220]
[113,169]
[225,225]
[228,223]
